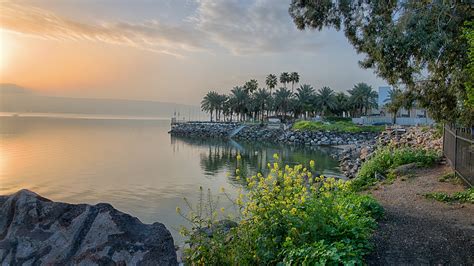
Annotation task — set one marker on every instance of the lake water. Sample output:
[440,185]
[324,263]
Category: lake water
[133,164]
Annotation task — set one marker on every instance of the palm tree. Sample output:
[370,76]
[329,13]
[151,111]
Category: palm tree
[305,96]
[271,82]
[282,100]
[325,100]
[251,86]
[395,102]
[363,98]
[238,99]
[262,101]
[342,104]
[284,78]
[220,105]
[294,78]
[210,102]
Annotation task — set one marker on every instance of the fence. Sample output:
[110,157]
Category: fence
[458,147]
[404,121]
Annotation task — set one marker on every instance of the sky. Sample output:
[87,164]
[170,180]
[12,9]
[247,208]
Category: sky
[165,50]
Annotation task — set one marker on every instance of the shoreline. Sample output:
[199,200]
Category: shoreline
[348,146]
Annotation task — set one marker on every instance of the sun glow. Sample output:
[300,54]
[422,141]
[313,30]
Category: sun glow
[5,50]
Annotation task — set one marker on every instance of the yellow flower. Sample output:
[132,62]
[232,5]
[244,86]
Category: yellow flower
[222,189]
[222,209]
[293,211]
[275,156]
[239,157]
[178,210]
[311,163]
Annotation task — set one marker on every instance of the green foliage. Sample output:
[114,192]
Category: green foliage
[419,44]
[466,196]
[469,35]
[362,98]
[450,178]
[386,159]
[332,119]
[290,217]
[339,126]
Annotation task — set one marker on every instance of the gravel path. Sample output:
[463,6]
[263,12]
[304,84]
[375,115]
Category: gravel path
[419,231]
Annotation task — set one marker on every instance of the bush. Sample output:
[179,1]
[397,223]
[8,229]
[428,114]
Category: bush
[292,217]
[386,159]
[339,126]
[337,119]
[466,196]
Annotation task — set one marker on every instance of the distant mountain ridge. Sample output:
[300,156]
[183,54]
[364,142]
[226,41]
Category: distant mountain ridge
[14,98]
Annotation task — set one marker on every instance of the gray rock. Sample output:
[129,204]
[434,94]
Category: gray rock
[37,231]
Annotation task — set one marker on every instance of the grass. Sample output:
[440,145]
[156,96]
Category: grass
[337,126]
[465,196]
[450,178]
[386,159]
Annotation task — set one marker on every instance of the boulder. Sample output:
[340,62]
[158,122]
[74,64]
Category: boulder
[38,231]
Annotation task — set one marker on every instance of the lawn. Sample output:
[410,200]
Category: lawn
[338,126]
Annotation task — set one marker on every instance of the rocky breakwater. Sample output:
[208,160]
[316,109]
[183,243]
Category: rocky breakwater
[37,231]
[309,138]
[203,129]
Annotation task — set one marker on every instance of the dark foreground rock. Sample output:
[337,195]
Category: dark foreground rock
[37,231]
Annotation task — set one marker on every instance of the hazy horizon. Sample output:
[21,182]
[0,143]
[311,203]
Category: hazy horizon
[166,51]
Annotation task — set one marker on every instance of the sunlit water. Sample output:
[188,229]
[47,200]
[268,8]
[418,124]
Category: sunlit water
[135,165]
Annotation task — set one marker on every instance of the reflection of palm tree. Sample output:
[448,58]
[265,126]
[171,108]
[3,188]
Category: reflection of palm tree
[221,156]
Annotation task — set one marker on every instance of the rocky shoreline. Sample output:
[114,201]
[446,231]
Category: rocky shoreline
[263,133]
[350,145]
[353,148]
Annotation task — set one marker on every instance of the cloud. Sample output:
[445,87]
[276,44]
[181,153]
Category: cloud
[150,35]
[250,27]
[241,27]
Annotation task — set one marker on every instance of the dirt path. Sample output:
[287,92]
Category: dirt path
[419,231]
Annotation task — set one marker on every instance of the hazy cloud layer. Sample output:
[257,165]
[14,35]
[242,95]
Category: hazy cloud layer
[241,27]
[248,27]
[149,35]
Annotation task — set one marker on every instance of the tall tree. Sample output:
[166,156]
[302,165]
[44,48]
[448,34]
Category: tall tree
[210,103]
[251,86]
[416,43]
[363,98]
[342,104]
[305,96]
[282,101]
[238,99]
[394,103]
[262,100]
[294,78]
[325,100]
[284,78]
[271,81]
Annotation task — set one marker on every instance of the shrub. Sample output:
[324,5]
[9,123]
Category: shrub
[466,196]
[291,217]
[339,126]
[337,119]
[388,158]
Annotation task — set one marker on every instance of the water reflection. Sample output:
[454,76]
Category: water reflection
[135,165]
[221,156]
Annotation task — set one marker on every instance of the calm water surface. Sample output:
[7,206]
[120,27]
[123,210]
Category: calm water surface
[135,165]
